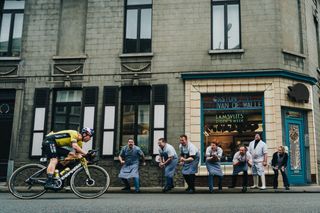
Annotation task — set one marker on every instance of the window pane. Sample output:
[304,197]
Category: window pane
[17,32]
[137,2]
[145,32]
[60,118]
[128,120]
[132,20]
[218,27]
[74,117]
[8,5]
[131,31]
[233,27]
[5,29]
[143,128]
[69,96]
[145,23]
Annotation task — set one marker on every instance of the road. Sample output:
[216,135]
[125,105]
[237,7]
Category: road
[113,202]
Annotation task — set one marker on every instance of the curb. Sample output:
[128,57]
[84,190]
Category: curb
[199,190]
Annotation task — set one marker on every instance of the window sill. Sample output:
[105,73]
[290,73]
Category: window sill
[148,158]
[55,57]
[10,59]
[137,55]
[212,52]
[293,53]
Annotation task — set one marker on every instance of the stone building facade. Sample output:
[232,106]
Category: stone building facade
[147,69]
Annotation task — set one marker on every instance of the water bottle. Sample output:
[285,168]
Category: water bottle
[65,171]
[56,174]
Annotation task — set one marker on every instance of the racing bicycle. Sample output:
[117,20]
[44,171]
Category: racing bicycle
[86,179]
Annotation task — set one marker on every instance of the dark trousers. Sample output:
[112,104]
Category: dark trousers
[244,179]
[190,179]
[284,177]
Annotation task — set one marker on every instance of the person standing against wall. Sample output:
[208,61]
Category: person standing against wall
[189,159]
[279,162]
[259,152]
[168,162]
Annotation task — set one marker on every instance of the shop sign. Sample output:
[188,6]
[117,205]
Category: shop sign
[234,101]
[229,118]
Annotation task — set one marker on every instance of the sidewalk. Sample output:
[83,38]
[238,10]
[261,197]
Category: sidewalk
[199,190]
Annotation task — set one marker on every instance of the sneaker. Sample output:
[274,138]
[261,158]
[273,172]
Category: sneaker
[137,191]
[210,190]
[263,188]
[253,187]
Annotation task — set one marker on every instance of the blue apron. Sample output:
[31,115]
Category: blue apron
[214,168]
[170,168]
[190,167]
[131,167]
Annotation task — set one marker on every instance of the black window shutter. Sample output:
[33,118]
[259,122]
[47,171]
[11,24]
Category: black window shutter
[110,96]
[90,96]
[41,97]
[159,94]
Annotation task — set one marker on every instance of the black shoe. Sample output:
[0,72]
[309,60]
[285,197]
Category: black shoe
[50,185]
[211,191]
[191,191]
[244,189]
[231,187]
[287,188]
[125,189]
[137,191]
[166,188]
[187,189]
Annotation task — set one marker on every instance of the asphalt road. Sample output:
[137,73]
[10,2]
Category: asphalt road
[112,202]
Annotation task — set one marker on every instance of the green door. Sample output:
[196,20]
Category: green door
[294,137]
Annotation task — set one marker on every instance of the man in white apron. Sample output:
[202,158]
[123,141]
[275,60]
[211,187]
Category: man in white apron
[129,158]
[213,156]
[259,152]
[241,160]
[168,161]
[189,159]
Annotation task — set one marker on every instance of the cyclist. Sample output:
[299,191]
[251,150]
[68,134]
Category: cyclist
[65,143]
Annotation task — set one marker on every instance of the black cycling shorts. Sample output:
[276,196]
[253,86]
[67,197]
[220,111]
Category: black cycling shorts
[51,150]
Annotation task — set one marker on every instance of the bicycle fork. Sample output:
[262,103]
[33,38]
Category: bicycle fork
[84,163]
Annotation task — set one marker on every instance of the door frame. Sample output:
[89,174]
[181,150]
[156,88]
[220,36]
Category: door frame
[302,121]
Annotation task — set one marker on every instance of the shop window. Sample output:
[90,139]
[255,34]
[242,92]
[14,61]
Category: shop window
[67,110]
[11,22]
[138,26]
[225,24]
[232,120]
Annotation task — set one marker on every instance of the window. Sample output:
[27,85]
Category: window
[11,21]
[232,119]
[138,26]
[225,24]
[135,106]
[67,110]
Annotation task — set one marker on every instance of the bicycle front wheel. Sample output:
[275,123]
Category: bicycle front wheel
[92,187]
[27,181]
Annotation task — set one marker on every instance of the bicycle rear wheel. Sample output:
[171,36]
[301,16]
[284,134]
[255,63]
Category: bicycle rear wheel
[84,187]
[27,181]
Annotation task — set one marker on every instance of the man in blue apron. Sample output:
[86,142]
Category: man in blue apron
[168,161]
[259,152]
[241,160]
[189,159]
[213,156]
[129,158]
